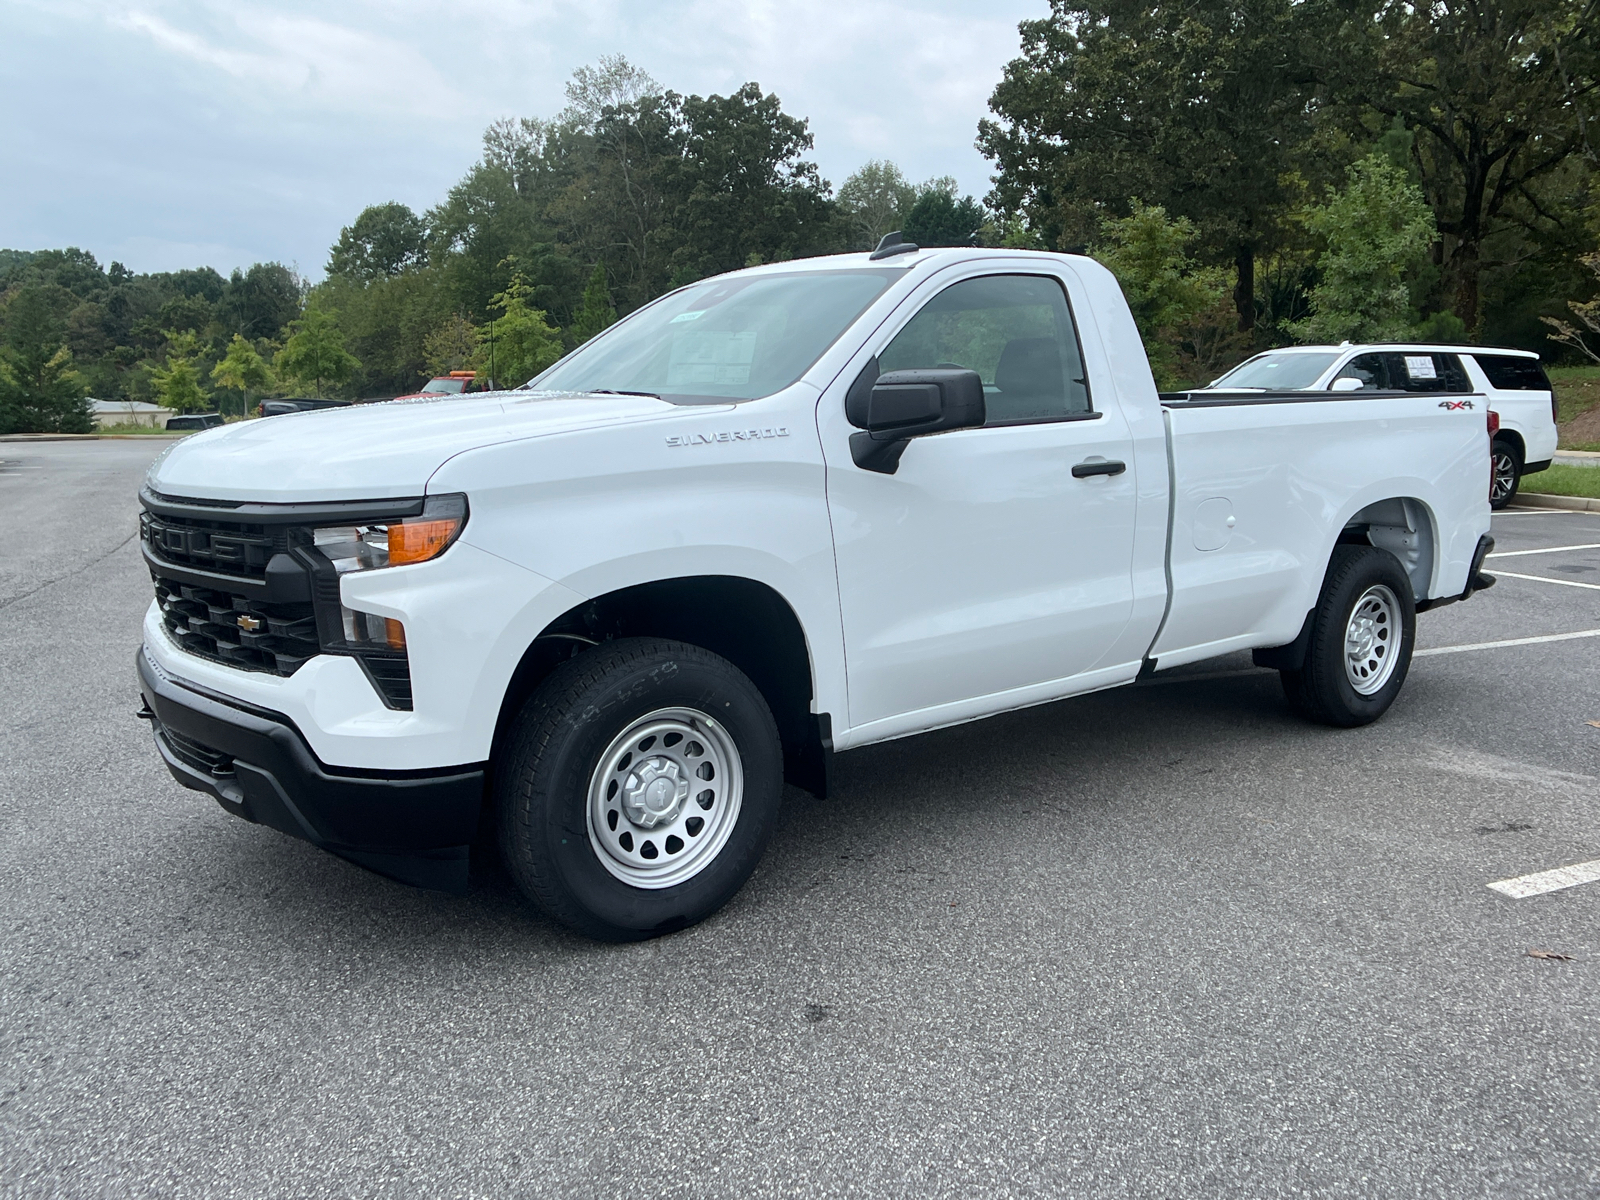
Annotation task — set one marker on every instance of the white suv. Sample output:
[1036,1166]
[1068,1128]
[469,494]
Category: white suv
[1518,390]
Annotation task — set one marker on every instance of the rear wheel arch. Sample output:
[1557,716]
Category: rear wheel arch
[1404,526]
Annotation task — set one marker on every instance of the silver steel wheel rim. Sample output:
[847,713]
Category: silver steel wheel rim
[1372,640]
[1505,474]
[664,798]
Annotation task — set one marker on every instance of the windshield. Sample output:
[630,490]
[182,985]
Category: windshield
[1278,370]
[725,339]
[445,385]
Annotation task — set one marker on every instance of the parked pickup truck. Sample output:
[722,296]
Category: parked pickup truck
[771,516]
[1513,383]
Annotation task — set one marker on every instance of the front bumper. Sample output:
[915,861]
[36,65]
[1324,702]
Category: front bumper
[414,826]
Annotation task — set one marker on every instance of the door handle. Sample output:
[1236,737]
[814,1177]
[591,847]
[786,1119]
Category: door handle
[1101,466]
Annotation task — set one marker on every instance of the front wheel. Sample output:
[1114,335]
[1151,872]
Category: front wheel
[1362,633]
[639,789]
[1505,473]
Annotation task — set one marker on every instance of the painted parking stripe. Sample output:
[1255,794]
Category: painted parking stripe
[1538,884]
[1527,641]
[1545,550]
[1593,587]
[1206,676]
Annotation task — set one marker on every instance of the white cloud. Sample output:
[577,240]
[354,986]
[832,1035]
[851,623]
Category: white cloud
[263,127]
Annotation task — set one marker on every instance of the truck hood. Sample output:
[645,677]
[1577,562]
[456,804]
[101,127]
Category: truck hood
[376,451]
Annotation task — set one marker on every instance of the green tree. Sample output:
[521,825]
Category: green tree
[1377,230]
[452,346]
[1501,96]
[385,240]
[314,354]
[939,219]
[40,391]
[242,369]
[520,343]
[596,312]
[1202,107]
[260,302]
[177,383]
[1180,307]
[874,201]
[1588,314]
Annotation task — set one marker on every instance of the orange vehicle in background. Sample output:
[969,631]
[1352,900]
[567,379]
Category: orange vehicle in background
[453,384]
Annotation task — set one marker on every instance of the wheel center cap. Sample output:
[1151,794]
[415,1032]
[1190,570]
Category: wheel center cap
[654,792]
[1361,637]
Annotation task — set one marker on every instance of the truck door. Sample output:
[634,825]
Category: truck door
[983,574]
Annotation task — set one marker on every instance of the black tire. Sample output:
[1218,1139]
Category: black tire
[1322,689]
[1505,473]
[542,781]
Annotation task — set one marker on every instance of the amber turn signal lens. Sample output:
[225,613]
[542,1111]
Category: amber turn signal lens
[418,541]
[394,633]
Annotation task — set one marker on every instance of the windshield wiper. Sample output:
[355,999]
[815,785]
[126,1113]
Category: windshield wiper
[619,392]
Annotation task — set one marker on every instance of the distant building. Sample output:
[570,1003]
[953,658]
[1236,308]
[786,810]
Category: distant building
[129,412]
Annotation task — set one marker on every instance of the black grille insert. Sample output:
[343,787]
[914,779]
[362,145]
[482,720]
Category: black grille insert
[253,634]
[224,547]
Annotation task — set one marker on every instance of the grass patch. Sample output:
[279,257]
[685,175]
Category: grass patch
[1561,480]
[1577,391]
[144,429]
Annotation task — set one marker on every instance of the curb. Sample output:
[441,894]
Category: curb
[91,437]
[1569,503]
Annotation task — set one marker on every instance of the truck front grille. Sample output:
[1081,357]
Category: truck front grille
[223,547]
[226,628]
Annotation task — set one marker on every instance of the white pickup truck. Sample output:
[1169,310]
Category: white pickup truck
[770,516]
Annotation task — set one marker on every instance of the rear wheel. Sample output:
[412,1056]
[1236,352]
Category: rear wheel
[639,789]
[1505,473]
[1361,639]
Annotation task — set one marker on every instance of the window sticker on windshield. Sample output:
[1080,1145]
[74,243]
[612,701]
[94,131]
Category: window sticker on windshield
[711,356]
[688,316]
[1420,366]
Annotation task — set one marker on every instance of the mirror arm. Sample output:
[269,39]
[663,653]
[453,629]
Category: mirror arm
[870,454]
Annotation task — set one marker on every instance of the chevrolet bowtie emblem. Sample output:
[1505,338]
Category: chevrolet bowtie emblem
[249,624]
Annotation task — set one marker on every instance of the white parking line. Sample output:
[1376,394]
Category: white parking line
[1205,676]
[1527,641]
[1537,884]
[1545,550]
[1593,587]
[1538,512]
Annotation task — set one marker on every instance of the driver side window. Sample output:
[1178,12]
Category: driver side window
[1015,331]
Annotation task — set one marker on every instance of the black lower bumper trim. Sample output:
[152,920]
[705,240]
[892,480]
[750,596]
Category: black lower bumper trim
[413,826]
[1478,580]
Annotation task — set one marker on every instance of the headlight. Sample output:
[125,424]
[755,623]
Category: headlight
[403,540]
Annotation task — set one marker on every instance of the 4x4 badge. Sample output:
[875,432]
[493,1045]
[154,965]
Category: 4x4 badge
[1453,405]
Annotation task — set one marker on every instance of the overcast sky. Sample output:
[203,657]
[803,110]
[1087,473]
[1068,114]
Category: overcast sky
[224,132]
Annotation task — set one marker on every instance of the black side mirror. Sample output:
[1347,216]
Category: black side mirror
[894,408]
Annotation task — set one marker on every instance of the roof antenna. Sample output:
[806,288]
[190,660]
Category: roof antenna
[893,244]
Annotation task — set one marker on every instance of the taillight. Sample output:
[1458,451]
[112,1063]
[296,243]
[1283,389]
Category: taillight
[1494,422]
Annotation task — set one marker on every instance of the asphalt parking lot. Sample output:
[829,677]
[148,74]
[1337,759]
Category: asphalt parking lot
[1166,940]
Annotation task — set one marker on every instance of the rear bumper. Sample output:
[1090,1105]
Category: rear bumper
[414,826]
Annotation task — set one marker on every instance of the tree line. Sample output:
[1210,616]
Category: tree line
[1255,173]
